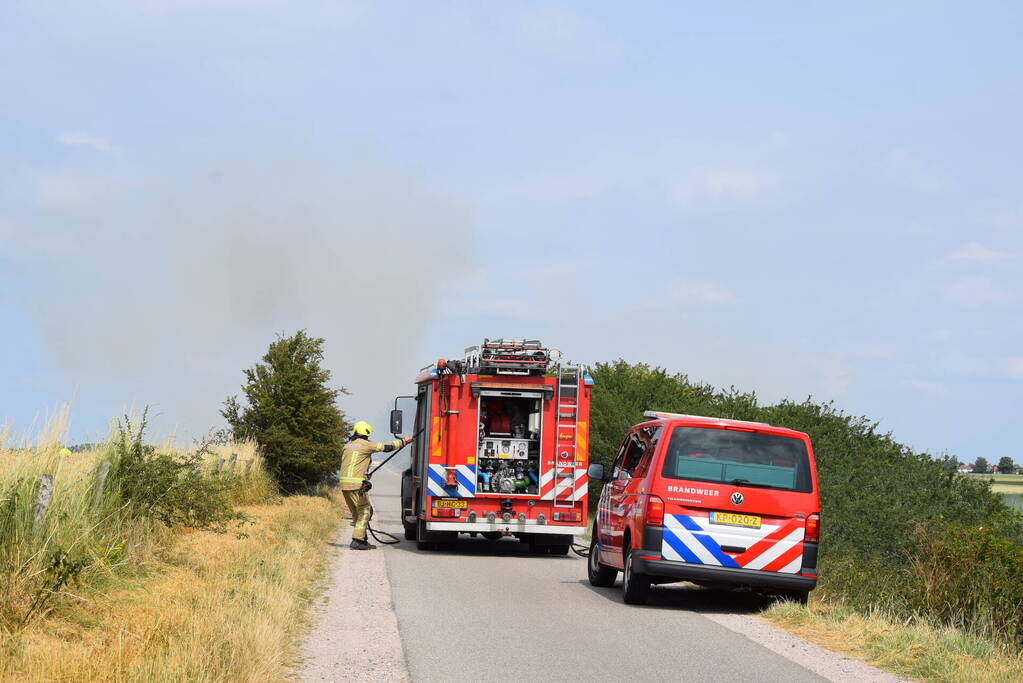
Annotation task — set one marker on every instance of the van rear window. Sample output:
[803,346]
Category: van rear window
[724,456]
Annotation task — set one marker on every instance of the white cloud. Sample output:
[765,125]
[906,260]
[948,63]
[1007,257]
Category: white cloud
[702,292]
[929,387]
[973,251]
[736,184]
[72,191]
[1014,367]
[84,140]
[1009,220]
[975,291]
[903,168]
[565,33]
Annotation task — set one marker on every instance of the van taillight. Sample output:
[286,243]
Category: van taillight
[654,513]
[813,528]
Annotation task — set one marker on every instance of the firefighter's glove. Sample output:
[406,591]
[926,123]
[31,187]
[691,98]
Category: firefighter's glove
[366,486]
[409,439]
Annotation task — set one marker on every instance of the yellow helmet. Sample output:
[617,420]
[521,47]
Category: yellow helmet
[362,428]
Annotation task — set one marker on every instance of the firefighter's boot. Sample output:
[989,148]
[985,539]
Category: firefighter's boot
[360,544]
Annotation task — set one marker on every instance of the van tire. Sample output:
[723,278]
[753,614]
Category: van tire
[635,587]
[598,574]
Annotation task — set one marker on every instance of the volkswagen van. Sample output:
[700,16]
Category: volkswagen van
[716,502]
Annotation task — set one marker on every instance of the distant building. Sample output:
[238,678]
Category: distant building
[965,469]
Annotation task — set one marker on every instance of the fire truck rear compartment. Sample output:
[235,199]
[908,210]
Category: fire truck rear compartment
[508,453]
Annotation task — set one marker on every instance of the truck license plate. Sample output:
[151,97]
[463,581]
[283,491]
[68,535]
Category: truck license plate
[451,504]
[733,519]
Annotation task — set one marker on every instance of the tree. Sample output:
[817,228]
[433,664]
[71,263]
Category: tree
[980,466]
[291,412]
[1005,465]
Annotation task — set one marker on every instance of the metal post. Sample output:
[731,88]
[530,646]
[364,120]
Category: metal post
[42,500]
[101,480]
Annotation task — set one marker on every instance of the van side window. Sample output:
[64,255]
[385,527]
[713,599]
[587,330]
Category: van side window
[617,464]
[651,435]
[633,453]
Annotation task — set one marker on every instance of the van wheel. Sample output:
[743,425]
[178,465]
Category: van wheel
[635,587]
[598,574]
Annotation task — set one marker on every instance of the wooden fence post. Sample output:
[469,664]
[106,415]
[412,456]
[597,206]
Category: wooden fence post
[231,462]
[219,465]
[248,466]
[42,500]
[101,480]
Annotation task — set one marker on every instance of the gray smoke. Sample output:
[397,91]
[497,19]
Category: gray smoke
[165,284]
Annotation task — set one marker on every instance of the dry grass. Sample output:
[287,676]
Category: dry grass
[214,608]
[917,650]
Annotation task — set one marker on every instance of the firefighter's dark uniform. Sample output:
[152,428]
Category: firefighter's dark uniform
[355,460]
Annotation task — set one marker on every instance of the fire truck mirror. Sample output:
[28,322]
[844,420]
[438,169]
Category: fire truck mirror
[595,471]
[396,422]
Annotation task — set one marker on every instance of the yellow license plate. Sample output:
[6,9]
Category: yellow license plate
[732,519]
[451,504]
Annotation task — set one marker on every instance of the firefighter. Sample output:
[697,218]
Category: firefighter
[355,461]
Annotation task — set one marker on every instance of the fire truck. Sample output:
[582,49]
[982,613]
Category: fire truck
[502,448]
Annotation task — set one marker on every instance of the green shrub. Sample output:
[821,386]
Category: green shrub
[168,488]
[969,576]
[291,413]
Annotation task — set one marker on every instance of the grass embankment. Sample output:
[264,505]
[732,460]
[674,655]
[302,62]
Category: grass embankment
[185,565]
[918,649]
[212,607]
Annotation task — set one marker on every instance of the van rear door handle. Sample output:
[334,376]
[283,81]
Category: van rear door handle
[733,549]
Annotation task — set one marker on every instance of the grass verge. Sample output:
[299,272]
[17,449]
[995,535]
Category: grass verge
[214,607]
[917,650]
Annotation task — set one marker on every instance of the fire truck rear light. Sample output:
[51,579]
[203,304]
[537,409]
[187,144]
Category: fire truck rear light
[654,513]
[813,528]
[446,512]
[568,516]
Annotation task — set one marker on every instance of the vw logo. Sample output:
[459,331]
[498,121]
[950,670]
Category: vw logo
[737,498]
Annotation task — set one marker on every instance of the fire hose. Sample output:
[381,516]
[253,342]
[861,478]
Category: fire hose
[373,532]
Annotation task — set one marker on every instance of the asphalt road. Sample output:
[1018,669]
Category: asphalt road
[491,611]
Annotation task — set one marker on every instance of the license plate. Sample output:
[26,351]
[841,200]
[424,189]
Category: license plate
[733,519]
[451,504]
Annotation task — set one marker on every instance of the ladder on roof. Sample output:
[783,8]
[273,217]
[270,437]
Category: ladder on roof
[566,442]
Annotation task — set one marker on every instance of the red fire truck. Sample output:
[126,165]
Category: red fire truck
[501,448]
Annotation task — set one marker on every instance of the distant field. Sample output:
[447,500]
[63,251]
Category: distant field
[1013,500]
[1010,486]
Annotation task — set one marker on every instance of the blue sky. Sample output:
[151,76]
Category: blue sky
[790,198]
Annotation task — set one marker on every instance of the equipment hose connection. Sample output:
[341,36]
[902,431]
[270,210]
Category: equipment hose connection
[376,533]
[578,548]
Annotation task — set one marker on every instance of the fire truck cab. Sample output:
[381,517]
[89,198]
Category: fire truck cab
[501,448]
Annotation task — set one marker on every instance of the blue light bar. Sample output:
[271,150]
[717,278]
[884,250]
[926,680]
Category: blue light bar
[587,380]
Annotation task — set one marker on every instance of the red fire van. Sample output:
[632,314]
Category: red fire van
[712,501]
